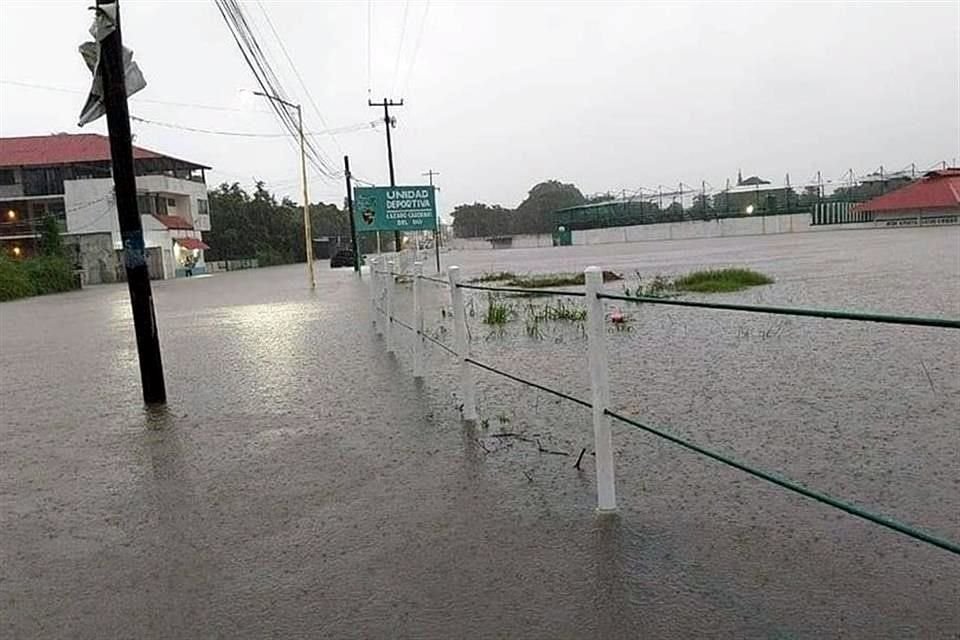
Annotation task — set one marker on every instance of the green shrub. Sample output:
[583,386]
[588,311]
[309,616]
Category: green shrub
[49,274]
[268,257]
[14,281]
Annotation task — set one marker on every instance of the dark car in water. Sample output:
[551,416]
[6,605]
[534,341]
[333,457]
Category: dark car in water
[342,258]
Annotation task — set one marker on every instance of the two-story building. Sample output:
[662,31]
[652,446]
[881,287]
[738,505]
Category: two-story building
[68,177]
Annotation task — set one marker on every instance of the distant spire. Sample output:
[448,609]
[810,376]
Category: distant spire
[739,177]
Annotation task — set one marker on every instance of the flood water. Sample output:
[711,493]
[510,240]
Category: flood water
[302,484]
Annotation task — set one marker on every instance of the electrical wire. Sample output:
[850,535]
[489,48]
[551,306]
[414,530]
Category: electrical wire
[303,85]
[403,33]
[416,49]
[61,214]
[258,63]
[369,49]
[135,98]
[360,126]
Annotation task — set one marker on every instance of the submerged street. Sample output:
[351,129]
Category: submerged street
[300,483]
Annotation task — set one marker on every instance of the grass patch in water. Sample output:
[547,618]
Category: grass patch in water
[541,280]
[557,310]
[721,280]
[497,313]
[497,276]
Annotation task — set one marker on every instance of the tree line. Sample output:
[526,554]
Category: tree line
[538,211]
[533,215]
[257,225]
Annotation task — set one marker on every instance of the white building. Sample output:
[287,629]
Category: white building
[68,178]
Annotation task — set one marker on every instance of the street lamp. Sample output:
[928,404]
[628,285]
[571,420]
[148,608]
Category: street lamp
[307,234]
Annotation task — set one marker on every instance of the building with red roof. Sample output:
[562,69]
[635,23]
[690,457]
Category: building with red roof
[933,199]
[67,177]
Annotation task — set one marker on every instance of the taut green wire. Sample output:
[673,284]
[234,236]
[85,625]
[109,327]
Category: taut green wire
[919,321]
[883,521]
[535,292]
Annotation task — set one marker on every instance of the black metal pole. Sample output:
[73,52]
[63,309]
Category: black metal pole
[436,221]
[436,232]
[353,224]
[131,229]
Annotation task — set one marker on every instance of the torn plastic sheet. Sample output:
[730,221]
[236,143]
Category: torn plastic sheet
[105,23]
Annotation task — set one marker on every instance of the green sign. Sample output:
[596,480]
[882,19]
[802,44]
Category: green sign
[394,208]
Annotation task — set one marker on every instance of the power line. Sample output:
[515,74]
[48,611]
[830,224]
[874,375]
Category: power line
[266,77]
[360,126]
[369,48]
[45,87]
[416,49]
[303,85]
[403,33]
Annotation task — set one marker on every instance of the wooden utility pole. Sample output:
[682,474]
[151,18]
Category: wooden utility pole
[131,228]
[353,224]
[436,222]
[386,104]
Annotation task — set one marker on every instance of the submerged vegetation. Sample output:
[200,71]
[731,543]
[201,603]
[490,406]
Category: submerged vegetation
[499,312]
[721,280]
[540,280]
[725,280]
[502,308]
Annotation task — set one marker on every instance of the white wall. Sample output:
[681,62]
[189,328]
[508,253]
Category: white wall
[185,192]
[90,207]
[720,228]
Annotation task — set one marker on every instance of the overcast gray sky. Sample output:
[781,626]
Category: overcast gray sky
[501,95]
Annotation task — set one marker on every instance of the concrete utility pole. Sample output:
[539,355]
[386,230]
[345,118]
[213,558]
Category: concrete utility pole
[307,231]
[386,104]
[131,228]
[436,232]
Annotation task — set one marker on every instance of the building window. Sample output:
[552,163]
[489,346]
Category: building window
[161,204]
[203,207]
[42,182]
[145,204]
[7,177]
[171,202]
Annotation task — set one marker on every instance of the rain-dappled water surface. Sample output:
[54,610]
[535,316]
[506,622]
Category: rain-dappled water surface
[301,484]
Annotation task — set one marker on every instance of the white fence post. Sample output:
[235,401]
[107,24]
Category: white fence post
[389,285]
[374,291]
[417,320]
[600,388]
[467,389]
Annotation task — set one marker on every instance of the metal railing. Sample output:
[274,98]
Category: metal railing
[382,287]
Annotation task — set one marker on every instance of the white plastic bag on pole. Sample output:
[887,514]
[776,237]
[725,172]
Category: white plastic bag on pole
[105,23]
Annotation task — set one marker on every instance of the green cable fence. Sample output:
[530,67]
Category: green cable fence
[382,288]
